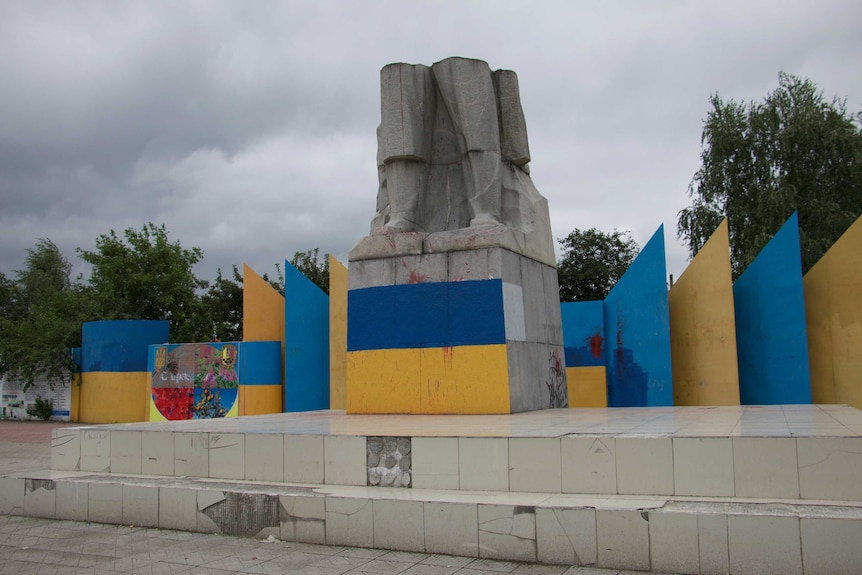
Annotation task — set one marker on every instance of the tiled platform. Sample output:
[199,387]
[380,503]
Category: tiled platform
[731,421]
[681,490]
[795,452]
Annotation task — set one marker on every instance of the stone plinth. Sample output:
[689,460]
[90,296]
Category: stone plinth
[453,300]
[452,322]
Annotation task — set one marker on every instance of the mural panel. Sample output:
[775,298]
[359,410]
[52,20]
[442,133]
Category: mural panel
[195,381]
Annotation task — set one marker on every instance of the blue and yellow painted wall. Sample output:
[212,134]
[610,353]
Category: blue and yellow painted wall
[772,337]
[262,320]
[427,348]
[114,373]
[584,345]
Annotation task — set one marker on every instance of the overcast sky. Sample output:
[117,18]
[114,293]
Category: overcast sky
[248,128]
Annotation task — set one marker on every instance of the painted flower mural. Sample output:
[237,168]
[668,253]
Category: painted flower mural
[174,403]
[195,381]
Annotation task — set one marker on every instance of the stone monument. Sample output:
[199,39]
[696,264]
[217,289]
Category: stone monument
[453,302]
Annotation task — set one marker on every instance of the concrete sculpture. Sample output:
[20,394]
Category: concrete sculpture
[453,153]
[453,299]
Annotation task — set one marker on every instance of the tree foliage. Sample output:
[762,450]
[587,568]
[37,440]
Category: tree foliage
[760,162]
[42,312]
[277,283]
[146,276]
[593,261]
[222,303]
[139,275]
[222,307]
[313,268]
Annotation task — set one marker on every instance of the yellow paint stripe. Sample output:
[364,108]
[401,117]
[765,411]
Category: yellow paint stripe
[833,311]
[113,397]
[703,328]
[587,386]
[383,381]
[259,399]
[338,278]
[463,379]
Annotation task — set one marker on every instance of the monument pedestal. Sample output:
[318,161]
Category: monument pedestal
[453,322]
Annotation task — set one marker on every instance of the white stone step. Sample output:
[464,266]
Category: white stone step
[662,534]
[810,452]
[771,489]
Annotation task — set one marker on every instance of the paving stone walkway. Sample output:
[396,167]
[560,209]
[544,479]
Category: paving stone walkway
[47,547]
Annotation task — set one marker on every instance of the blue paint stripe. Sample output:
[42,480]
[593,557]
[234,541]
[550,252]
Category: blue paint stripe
[771,332]
[583,332]
[260,363]
[435,314]
[637,332]
[306,343]
[119,345]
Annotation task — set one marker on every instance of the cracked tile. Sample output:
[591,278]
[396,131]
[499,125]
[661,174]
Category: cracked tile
[349,522]
[566,536]
[507,532]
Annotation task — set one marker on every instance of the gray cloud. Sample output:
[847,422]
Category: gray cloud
[249,129]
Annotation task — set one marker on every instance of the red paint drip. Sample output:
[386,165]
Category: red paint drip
[416,278]
[596,342]
[448,352]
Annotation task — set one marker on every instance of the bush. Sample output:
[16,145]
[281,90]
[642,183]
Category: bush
[42,408]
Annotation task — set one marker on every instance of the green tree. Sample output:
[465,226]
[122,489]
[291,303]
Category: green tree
[42,312]
[277,283]
[760,162]
[312,267]
[222,307]
[11,302]
[47,271]
[146,276]
[593,261]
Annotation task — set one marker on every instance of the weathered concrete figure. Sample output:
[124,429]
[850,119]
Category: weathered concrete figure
[453,299]
[453,151]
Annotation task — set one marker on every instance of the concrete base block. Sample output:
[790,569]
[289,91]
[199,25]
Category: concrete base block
[469,293]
